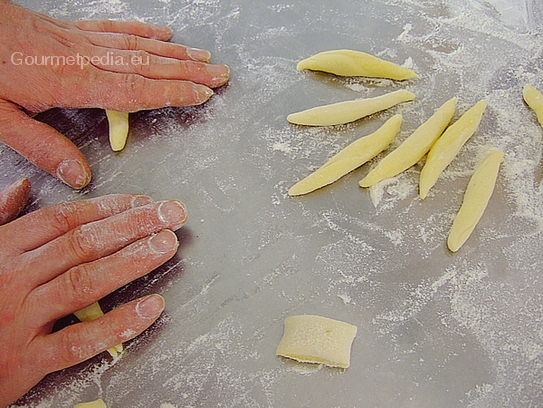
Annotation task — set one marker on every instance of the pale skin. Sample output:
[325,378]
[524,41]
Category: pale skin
[62,258]
[175,75]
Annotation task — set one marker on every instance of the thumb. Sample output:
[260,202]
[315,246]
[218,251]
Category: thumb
[44,146]
[13,199]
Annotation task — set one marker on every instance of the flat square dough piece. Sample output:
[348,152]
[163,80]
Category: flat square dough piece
[317,339]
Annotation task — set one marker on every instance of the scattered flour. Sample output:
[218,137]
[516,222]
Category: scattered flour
[376,255]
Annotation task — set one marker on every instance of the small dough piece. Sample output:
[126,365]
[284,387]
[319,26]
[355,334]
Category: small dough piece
[317,339]
[350,158]
[99,403]
[447,146]
[118,129]
[414,147]
[534,99]
[478,192]
[355,63]
[93,312]
[349,111]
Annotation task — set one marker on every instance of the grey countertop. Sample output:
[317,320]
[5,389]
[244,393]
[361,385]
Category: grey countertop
[434,328]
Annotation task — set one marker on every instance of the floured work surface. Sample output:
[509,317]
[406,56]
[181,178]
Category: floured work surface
[434,328]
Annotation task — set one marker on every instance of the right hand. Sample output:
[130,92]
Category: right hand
[62,258]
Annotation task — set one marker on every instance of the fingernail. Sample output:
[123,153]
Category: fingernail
[199,55]
[203,93]
[163,242]
[163,31]
[73,173]
[150,307]
[141,201]
[221,73]
[173,213]
[217,70]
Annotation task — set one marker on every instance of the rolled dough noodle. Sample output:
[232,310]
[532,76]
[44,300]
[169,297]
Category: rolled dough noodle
[447,146]
[534,99]
[317,339]
[350,158]
[349,111]
[99,403]
[355,63]
[414,147]
[476,197]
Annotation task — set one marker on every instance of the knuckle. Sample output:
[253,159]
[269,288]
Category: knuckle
[106,25]
[7,114]
[131,42]
[61,217]
[82,242]
[85,340]
[186,66]
[140,62]
[78,284]
[73,348]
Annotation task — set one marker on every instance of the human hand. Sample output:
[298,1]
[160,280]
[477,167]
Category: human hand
[122,66]
[59,259]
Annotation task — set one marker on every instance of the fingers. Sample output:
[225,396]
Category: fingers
[135,43]
[13,199]
[42,226]
[43,146]
[90,242]
[87,283]
[156,67]
[133,92]
[126,27]
[79,342]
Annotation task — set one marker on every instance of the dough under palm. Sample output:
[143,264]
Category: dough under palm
[118,129]
[93,312]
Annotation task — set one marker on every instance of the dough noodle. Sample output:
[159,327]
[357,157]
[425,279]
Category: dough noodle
[93,404]
[349,111]
[447,146]
[316,339]
[413,148]
[355,63]
[93,312]
[534,99]
[118,129]
[478,192]
[350,158]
